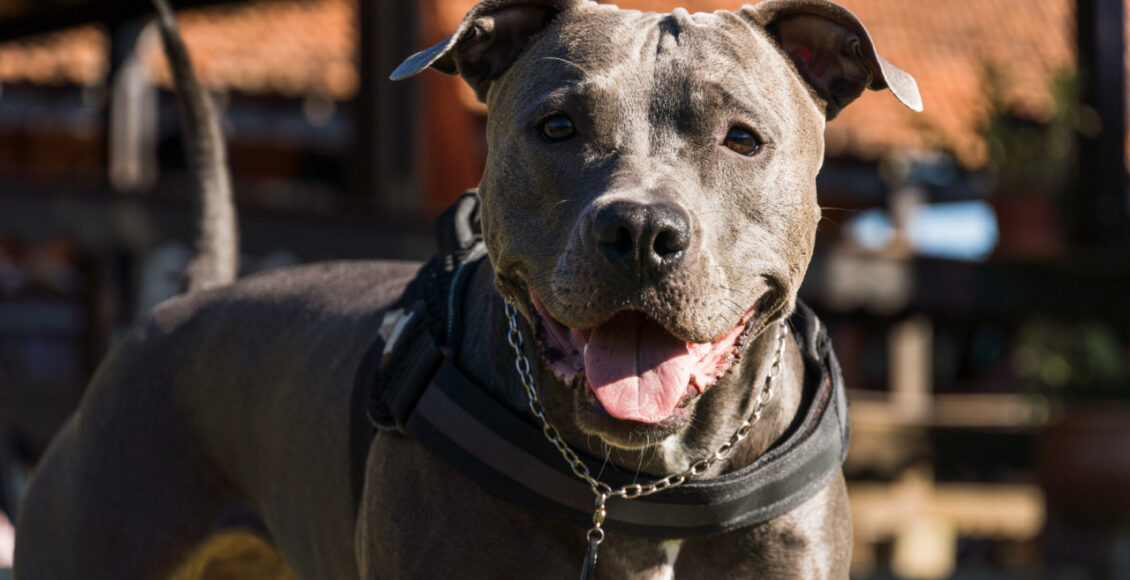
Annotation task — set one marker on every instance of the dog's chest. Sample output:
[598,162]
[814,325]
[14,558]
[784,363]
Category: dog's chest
[655,561]
[774,550]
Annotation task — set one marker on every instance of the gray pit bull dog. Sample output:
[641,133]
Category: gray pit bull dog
[648,206]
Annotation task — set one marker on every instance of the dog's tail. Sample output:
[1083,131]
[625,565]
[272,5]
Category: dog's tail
[217,245]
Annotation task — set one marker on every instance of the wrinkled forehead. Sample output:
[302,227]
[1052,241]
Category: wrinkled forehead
[599,45]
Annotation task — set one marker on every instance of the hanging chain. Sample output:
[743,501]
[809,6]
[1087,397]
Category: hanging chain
[602,491]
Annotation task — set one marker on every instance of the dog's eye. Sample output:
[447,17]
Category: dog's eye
[558,128]
[742,140]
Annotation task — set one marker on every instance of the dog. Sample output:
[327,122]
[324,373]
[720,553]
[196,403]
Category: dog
[648,211]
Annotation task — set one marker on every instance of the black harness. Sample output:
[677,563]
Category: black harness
[413,387]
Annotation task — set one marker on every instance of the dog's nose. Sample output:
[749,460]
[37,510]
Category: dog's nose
[650,236]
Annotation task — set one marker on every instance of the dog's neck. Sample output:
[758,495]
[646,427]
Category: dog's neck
[488,358]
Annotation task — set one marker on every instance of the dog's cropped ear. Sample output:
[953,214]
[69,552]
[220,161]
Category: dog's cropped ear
[833,51]
[490,38]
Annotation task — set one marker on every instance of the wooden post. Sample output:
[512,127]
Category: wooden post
[1101,213]
[385,152]
[911,369]
[132,118]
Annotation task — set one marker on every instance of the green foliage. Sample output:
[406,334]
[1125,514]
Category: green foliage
[1032,151]
[1074,360]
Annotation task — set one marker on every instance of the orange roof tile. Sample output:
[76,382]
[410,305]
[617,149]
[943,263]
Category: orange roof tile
[289,47]
[70,57]
[308,46]
[946,46]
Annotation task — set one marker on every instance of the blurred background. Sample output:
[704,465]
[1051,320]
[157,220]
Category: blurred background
[973,266]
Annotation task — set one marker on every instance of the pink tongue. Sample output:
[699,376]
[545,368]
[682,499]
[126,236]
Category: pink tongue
[637,370]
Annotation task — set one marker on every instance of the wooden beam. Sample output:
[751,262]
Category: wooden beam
[385,156]
[132,116]
[1100,208]
[100,219]
[963,411]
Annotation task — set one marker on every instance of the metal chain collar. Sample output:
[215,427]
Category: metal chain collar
[602,490]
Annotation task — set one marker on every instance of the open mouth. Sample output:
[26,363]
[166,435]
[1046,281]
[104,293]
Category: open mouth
[634,367]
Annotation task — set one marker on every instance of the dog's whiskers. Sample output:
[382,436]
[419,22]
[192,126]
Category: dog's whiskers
[572,64]
[607,458]
[642,456]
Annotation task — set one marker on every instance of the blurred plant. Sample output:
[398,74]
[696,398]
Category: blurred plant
[1032,151]
[1071,360]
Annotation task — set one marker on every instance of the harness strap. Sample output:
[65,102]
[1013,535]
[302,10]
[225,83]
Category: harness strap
[414,388]
[510,458]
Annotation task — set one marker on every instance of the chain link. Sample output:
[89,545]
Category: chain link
[603,491]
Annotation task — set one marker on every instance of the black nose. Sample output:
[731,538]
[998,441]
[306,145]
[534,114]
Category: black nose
[650,236]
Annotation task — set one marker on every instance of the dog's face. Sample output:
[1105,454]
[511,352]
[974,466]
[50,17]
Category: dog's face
[649,198]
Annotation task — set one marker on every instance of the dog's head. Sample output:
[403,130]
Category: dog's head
[649,198]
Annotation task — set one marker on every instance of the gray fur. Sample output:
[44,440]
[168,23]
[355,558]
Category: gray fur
[217,245]
[238,397]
